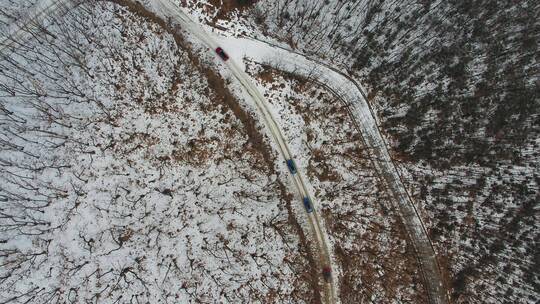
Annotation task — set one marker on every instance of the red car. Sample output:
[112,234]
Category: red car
[222,54]
[327,273]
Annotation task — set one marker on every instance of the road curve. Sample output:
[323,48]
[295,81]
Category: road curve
[170,10]
[352,94]
[416,230]
[344,87]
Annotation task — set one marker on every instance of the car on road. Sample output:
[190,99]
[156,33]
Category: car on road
[222,54]
[291,165]
[327,273]
[307,204]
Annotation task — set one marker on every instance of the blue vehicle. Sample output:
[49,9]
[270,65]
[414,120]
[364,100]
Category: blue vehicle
[291,165]
[307,204]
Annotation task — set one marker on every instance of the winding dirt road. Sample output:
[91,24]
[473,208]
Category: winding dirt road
[343,86]
[352,94]
[170,10]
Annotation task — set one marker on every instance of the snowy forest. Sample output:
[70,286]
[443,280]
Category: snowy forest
[134,169]
[127,178]
[456,85]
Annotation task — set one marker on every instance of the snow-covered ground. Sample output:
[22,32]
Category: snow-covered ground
[365,117]
[436,106]
[169,11]
[425,184]
[125,176]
